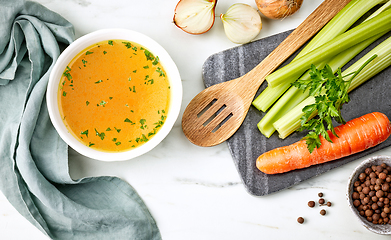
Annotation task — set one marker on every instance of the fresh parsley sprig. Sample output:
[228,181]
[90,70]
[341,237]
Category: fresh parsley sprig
[330,92]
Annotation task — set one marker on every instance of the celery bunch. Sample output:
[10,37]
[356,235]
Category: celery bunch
[334,45]
[291,121]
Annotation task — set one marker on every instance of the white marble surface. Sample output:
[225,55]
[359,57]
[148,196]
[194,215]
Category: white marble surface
[196,193]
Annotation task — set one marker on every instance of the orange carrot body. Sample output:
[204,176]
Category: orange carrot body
[355,136]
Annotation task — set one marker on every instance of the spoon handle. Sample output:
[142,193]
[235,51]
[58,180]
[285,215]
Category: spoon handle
[308,28]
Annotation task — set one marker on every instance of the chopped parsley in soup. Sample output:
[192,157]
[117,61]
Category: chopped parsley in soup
[114,96]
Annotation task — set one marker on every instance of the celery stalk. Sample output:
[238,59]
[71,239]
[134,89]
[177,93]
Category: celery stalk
[294,96]
[269,96]
[365,30]
[339,24]
[291,120]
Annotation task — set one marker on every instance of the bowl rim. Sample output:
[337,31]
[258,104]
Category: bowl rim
[111,34]
[376,228]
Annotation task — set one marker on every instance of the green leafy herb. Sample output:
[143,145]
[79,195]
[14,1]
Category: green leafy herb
[127,44]
[118,130]
[148,55]
[91,144]
[129,121]
[114,139]
[142,122]
[64,93]
[102,103]
[146,67]
[135,71]
[132,90]
[88,53]
[98,81]
[330,92]
[160,71]
[85,133]
[110,42]
[118,143]
[101,135]
[67,74]
[108,129]
[156,61]
[104,52]
[142,139]
[148,80]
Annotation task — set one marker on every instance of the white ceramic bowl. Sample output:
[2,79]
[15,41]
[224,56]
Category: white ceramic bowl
[109,34]
[377,160]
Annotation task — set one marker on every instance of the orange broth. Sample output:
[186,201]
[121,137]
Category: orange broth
[114,96]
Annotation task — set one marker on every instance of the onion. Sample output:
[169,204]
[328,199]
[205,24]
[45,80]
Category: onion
[276,9]
[242,23]
[195,16]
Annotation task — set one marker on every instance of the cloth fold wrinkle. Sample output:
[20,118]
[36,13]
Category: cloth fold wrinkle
[34,170]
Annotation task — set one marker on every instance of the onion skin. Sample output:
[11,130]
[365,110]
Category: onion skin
[195,16]
[277,9]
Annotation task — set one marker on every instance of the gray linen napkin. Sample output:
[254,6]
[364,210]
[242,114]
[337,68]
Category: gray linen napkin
[33,159]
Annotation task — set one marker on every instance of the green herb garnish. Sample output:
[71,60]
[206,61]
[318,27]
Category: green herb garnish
[148,55]
[102,103]
[101,135]
[156,61]
[129,121]
[160,71]
[330,92]
[67,74]
[85,133]
[127,44]
[142,122]
[88,53]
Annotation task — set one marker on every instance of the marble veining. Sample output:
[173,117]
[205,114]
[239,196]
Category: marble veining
[207,184]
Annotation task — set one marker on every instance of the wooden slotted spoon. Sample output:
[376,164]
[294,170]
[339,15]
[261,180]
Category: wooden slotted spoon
[232,99]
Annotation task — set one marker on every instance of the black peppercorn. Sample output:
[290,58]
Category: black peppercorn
[323,212]
[311,204]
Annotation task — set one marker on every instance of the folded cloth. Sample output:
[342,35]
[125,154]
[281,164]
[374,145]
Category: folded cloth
[34,160]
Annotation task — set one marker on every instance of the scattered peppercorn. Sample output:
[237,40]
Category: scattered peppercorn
[320,194]
[321,201]
[328,204]
[323,212]
[311,204]
[300,220]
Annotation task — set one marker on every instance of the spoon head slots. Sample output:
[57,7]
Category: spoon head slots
[213,116]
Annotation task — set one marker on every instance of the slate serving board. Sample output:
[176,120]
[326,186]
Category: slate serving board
[248,143]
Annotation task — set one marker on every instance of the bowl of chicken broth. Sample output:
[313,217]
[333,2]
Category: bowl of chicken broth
[114,94]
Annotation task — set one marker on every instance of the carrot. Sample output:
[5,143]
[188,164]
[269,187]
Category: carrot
[355,136]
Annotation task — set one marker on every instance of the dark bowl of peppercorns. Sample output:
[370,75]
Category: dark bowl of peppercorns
[369,194]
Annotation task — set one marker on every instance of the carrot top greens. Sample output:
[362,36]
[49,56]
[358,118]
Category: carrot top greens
[330,92]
